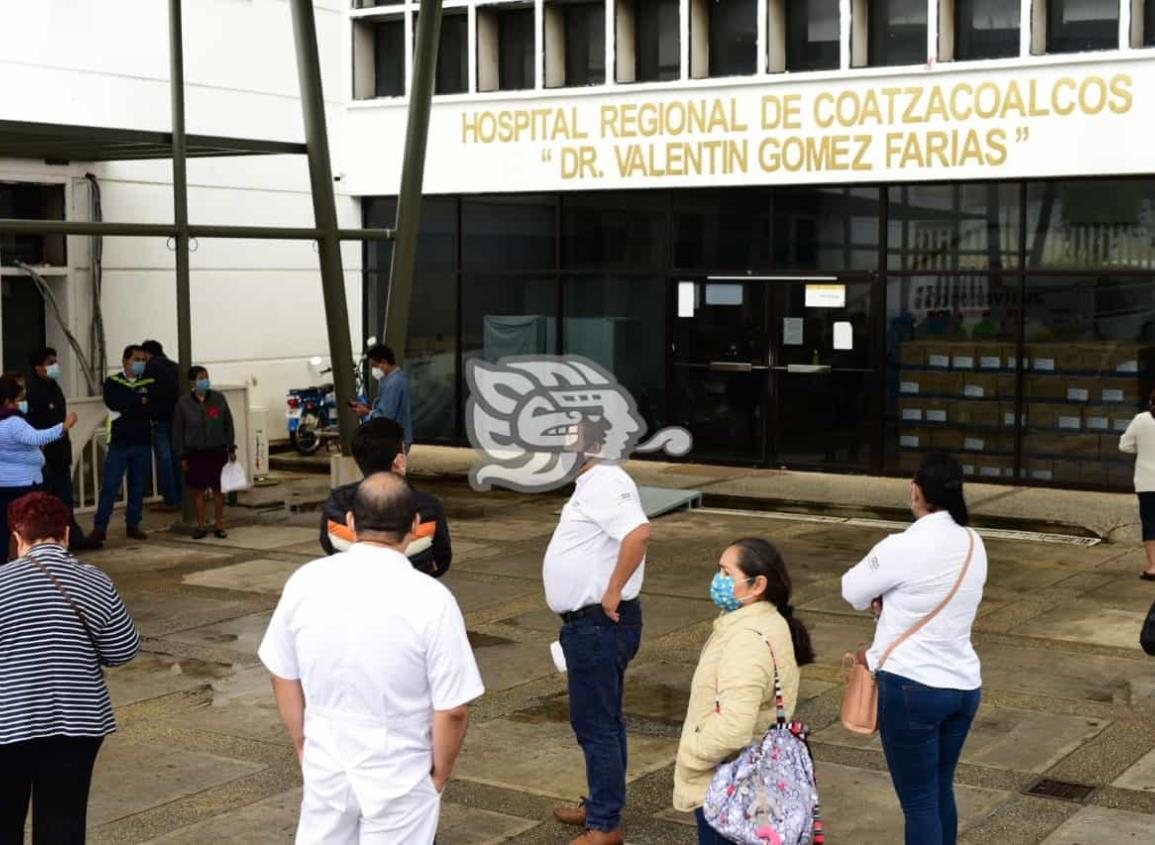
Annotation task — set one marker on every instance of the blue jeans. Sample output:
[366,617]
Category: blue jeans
[706,834]
[923,730]
[136,462]
[168,474]
[597,652]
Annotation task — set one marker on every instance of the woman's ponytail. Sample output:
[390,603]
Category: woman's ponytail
[940,477]
[760,557]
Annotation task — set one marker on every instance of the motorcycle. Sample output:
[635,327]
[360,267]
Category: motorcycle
[312,411]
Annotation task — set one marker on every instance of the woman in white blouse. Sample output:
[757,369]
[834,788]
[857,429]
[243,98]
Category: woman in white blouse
[930,687]
[1139,440]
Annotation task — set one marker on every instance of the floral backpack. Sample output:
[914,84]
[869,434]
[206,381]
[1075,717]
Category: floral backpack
[767,795]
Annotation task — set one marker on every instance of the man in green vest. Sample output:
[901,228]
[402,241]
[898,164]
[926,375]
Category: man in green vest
[126,394]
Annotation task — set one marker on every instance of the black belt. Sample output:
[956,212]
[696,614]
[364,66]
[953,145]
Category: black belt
[595,610]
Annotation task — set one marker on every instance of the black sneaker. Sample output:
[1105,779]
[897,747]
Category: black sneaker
[199,533]
[220,534]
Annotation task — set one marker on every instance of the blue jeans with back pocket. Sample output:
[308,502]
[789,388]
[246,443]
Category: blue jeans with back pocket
[923,730]
[597,652]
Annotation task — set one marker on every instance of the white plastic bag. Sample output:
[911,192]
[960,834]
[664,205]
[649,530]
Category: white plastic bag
[233,478]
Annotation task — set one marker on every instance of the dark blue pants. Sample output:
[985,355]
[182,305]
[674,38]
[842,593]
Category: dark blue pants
[8,495]
[58,481]
[136,463]
[168,474]
[597,652]
[706,834]
[923,730]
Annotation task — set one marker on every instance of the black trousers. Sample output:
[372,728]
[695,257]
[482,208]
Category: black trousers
[58,481]
[55,774]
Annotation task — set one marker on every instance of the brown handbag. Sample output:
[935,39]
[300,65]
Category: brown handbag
[860,699]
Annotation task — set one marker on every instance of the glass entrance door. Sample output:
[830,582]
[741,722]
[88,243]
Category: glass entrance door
[824,382]
[720,367]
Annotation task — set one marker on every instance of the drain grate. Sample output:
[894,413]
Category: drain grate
[1061,789]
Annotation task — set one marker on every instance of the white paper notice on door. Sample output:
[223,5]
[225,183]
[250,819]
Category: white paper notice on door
[687,299]
[826,296]
[792,331]
[843,336]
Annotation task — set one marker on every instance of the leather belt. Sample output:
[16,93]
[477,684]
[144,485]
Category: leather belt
[594,610]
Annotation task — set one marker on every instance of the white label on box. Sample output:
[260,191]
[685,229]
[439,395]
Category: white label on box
[908,387]
[909,441]
[1046,365]
[989,363]
[1127,367]
[1042,474]
[1121,425]
[1112,395]
[973,444]
[1078,394]
[1011,363]
[968,469]
[1098,423]
[974,391]
[990,472]
[936,416]
[1009,418]
[1070,422]
[911,414]
[964,362]
[938,361]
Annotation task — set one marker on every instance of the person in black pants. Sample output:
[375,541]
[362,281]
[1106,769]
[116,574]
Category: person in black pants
[47,407]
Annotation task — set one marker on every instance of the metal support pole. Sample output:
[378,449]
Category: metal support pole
[325,216]
[396,329]
[180,214]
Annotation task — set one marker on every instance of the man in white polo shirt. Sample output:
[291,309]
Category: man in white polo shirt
[373,673]
[593,573]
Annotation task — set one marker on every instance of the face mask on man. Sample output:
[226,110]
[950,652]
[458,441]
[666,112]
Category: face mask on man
[722,592]
[138,368]
[22,406]
[203,385]
[377,373]
[52,371]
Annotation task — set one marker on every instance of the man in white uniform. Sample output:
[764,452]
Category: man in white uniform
[373,673]
[593,573]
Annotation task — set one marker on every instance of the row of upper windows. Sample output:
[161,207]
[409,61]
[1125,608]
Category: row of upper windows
[800,35]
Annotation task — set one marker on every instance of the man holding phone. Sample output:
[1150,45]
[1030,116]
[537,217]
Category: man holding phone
[392,394]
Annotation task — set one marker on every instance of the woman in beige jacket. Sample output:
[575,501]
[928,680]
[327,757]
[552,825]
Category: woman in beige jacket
[732,694]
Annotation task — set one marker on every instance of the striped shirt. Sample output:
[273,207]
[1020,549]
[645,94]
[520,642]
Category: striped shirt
[51,683]
[20,456]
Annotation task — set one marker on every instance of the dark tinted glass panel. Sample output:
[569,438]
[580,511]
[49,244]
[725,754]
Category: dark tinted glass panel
[625,231]
[23,321]
[431,355]
[826,228]
[1090,365]
[986,29]
[951,347]
[953,227]
[585,43]
[1149,24]
[897,32]
[1095,224]
[504,316]
[656,40]
[1076,25]
[616,321]
[515,46]
[722,230]
[509,233]
[733,38]
[453,56]
[389,59]
[25,201]
[811,34]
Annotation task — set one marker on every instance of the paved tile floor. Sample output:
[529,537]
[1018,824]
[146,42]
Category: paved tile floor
[201,757]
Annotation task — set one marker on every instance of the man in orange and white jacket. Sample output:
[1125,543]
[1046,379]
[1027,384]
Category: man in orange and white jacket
[377,447]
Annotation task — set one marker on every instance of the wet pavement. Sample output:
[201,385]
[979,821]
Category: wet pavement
[201,756]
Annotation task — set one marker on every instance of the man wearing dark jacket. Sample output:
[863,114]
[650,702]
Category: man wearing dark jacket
[127,396]
[46,408]
[378,446]
[165,392]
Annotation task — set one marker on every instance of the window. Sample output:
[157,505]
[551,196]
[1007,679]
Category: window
[656,40]
[812,34]
[505,48]
[722,229]
[388,58]
[733,37]
[1099,224]
[1148,39]
[897,32]
[614,230]
[517,232]
[27,201]
[1077,25]
[452,54]
[826,228]
[584,42]
[970,226]
[986,29]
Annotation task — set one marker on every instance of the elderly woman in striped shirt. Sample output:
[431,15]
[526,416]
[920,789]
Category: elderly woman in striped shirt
[61,621]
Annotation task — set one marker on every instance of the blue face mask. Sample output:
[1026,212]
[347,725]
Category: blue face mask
[22,406]
[138,368]
[722,592]
[203,385]
[52,371]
